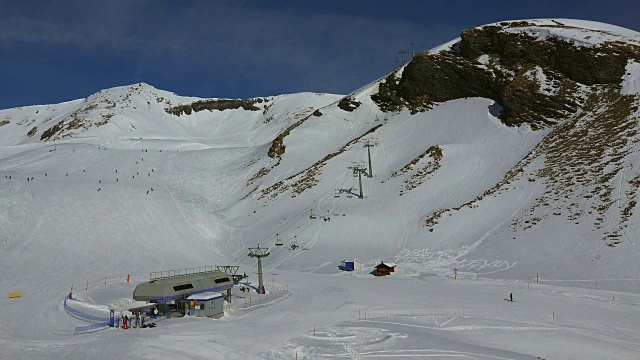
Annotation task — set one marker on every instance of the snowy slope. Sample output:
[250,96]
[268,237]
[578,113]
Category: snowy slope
[130,187]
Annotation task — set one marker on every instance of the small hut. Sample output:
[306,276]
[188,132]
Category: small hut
[383,269]
[346,265]
[208,304]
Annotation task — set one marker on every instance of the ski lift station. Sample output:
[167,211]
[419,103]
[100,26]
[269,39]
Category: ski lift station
[185,288]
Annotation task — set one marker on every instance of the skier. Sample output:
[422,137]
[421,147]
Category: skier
[99,189]
[511,297]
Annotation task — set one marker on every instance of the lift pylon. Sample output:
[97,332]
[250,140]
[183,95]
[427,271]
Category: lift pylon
[358,170]
[259,253]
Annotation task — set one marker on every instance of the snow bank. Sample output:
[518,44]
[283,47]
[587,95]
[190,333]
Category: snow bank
[579,32]
[631,79]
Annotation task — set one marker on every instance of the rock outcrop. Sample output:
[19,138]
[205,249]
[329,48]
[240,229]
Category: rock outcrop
[539,80]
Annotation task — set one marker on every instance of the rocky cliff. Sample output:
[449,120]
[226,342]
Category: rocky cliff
[539,72]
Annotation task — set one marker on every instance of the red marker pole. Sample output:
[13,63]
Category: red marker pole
[554,317]
[128,277]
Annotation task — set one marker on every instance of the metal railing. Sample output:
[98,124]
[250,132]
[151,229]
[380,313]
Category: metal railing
[158,275]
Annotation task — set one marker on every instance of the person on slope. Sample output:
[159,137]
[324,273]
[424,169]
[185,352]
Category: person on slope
[511,297]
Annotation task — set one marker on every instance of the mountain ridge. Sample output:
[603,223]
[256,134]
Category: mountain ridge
[485,155]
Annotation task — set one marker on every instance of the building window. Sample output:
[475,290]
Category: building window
[201,306]
[221,280]
[182,287]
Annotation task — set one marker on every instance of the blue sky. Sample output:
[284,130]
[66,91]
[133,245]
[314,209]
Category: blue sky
[55,51]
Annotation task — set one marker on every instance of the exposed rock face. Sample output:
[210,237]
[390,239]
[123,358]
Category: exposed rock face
[537,81]
[582,64]
[387,96]
[348,103]
[219,104]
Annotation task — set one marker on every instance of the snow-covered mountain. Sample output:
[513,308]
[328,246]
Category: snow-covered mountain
[508,152]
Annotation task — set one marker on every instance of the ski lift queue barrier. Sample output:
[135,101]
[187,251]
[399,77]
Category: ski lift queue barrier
[90,328]
[81,315]
[102,324]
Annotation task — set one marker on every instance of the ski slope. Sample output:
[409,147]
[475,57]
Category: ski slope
[61,231]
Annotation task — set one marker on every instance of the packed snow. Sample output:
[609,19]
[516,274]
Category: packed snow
[579,32]
[631,79]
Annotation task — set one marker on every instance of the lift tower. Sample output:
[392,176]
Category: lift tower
[369,143]
[259,253]
[233,270]
[360,169]
[402,52]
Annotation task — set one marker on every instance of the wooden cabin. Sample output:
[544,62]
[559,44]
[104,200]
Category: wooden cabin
[383,269]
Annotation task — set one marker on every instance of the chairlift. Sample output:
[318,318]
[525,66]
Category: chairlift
[294,244]
[311,216]
[337,193]
[279,241]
